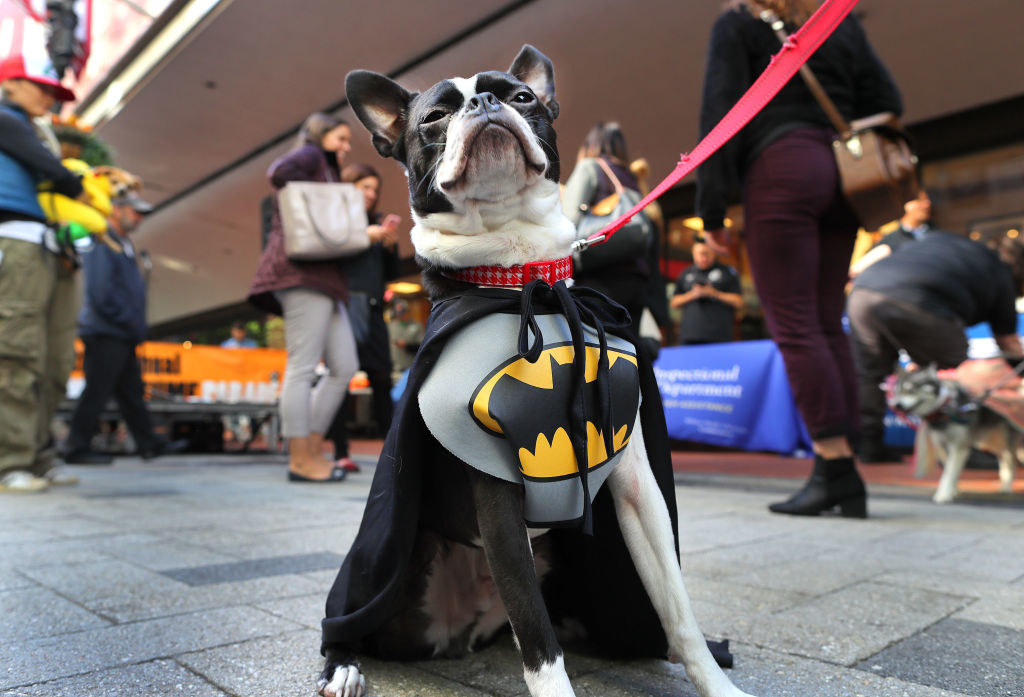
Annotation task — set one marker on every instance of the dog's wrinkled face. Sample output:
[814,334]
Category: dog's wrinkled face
[481,159]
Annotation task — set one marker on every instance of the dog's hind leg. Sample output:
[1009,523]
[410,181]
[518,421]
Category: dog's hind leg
[507,546]
[647,529]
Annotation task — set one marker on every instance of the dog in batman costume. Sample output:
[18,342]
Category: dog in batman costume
[526,479]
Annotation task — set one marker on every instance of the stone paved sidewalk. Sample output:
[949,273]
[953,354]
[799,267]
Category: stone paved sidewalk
[206,576]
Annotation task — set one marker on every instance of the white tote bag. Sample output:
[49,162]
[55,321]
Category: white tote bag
[322,220]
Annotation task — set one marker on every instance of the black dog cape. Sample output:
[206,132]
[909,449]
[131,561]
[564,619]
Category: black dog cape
[592,579]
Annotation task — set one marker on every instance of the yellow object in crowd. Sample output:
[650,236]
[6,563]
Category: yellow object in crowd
[98,185]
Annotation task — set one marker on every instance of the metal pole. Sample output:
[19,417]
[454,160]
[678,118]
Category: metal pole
[61,22]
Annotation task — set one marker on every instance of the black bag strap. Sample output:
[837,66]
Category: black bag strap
[611,175]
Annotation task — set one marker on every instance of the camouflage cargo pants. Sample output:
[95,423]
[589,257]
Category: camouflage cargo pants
[38,305]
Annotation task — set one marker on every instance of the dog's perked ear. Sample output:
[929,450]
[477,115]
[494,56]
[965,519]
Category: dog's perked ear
[533,67]
[380,104]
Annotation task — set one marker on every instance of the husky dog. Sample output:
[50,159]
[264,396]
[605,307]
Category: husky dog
[951,424]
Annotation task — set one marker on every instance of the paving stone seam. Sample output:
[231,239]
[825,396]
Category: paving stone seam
[73,601]
[198,610]
[956,548]
[223,688]
[917,632]
[168,657]
[118,666]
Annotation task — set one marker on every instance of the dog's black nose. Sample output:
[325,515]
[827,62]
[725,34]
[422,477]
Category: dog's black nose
[483,103]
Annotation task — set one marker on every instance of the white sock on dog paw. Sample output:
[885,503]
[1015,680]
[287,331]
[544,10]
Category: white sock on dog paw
[550,681]
[347,681]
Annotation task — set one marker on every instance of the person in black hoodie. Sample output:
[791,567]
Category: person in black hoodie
[800,231]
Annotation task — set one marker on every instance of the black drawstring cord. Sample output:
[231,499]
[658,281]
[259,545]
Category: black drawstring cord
[580,306]
[527,324]
[604,391]
[577,405]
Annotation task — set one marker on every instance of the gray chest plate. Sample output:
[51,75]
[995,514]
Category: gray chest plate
[509,418]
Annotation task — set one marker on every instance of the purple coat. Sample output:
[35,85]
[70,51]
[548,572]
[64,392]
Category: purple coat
[275,271]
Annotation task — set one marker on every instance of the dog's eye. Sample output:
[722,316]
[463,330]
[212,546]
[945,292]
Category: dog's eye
[435,115]
[523,98]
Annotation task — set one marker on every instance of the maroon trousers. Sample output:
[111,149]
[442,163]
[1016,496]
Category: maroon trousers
[800,234]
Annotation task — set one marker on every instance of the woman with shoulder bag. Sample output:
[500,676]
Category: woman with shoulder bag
[310,296]
[800,230]
[601,157]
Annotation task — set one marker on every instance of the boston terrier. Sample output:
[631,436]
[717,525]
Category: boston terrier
[483,173]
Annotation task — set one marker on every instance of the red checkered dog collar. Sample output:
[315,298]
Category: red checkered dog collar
[519,275]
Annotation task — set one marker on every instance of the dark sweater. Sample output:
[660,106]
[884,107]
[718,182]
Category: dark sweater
[114,302]
[740,49]
[369,271]
[948,275]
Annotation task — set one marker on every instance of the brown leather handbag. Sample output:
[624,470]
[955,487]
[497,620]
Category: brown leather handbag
[877,167]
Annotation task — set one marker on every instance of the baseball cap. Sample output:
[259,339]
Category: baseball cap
[39,70]
[134,201]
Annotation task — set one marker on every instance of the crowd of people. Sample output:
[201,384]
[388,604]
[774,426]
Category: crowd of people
[916,290]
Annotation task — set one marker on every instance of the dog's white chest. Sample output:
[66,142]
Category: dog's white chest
[510,418]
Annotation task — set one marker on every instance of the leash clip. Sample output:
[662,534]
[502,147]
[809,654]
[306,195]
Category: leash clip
[585,243]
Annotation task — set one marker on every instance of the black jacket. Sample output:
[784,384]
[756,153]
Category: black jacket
[741,47]
[114,303]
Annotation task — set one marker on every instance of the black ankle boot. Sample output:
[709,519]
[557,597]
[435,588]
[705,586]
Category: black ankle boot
[832,483]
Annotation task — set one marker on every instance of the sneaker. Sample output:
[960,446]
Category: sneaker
[163,447]
[59,476]
[87,457]
[22,482]
[347,464]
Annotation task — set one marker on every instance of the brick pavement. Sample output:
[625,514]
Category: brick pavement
[206,576]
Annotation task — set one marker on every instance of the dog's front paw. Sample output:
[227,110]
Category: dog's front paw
[943,496]
[341,681]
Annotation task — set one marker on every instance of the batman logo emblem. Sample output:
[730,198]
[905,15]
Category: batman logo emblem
[528,404]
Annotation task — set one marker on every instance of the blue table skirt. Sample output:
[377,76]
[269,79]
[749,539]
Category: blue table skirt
[733,395]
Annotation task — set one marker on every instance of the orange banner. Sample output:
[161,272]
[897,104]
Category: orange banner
[201,373]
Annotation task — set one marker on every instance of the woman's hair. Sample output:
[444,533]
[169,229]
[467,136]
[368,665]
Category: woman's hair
[605,140]
[315,127]
[792,11]
[360,170]
[357,172]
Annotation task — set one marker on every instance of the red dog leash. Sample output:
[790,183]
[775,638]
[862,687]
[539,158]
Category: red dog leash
[783,66]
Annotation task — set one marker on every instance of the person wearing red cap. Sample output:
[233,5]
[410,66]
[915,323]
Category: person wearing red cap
[37,294]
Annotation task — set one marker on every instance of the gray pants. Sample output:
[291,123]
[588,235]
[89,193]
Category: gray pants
[881,327]
[315,327]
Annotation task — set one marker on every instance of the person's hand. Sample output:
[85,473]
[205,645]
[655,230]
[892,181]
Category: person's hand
[387,232]
[721,240]
[376,233]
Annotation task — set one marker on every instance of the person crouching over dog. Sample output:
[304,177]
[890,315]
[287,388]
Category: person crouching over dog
[920,299]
